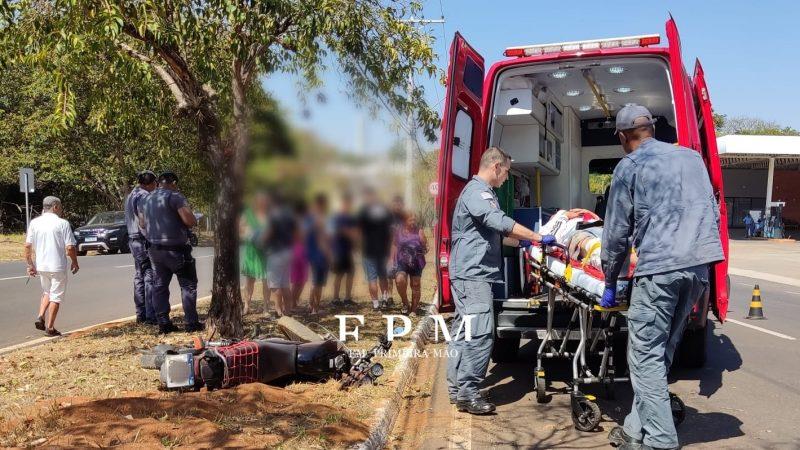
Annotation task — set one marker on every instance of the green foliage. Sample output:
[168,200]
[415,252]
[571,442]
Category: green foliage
[751,126]
[598,182]
[93,163]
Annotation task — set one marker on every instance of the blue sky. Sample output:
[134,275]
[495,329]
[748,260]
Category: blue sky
[748,50]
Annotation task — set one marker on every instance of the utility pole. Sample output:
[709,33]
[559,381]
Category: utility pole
[409,187]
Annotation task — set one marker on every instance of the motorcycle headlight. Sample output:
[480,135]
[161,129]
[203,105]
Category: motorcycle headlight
[177,371]
[376,370]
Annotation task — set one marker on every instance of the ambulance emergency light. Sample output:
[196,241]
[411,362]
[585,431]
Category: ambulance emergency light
[592,44]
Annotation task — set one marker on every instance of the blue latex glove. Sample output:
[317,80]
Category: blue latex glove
[609,299]
[548,239]
[524,244]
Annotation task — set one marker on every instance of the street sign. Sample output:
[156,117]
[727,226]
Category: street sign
[26,186]
[26,180]
[433,188]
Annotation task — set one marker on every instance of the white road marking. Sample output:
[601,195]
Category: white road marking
[744,284]
[121,267]
[13,278]
[764,276]
[763,330]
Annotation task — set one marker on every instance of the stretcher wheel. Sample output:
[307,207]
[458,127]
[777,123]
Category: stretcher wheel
[678,409]
[585,414]
[541,394]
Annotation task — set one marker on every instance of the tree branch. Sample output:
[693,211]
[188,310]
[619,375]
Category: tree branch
[162,72]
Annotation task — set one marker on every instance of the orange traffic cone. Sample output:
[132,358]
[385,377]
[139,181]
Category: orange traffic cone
[756,310]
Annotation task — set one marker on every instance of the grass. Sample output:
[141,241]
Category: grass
[12,247]
[37,384]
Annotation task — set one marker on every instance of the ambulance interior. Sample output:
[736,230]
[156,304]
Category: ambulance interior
[557,123]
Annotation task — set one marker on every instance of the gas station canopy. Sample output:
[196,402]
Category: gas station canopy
[760,152]
[756,152]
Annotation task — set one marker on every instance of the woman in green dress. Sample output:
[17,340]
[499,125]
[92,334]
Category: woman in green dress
[253,264]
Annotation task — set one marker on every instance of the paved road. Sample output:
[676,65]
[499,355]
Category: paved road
[101,291]
[747,396]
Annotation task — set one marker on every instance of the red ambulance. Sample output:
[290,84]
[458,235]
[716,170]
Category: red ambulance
[552,108]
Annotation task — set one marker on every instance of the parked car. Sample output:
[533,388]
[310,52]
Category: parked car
[105,232]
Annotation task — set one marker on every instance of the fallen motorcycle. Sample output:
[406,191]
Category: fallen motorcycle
[227,363]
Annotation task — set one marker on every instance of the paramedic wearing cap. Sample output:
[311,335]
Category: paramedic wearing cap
[661,203]
[479,229]
[50,238]
[167,218]
[143,270]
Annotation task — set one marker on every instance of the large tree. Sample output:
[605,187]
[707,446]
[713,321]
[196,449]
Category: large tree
[98,156]
[209,54]
[751,125]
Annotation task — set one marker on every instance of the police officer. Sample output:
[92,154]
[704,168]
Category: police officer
[661,203]
[479,229]
[167,218]
[143,270]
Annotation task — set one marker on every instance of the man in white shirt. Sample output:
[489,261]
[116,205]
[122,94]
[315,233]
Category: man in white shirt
[50,238]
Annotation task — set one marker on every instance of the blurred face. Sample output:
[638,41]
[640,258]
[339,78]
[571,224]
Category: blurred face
[347,204]
[261,202]
[411,221]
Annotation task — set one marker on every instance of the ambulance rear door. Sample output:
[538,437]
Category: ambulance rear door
[461,138]
[708,139]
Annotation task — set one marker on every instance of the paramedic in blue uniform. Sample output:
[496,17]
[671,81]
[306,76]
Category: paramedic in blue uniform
[479,229]
[661,203]
[167,218]
[143,270]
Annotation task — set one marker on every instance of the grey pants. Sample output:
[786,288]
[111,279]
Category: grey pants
[142,280]
[181,264]
[659,308]
[469,359]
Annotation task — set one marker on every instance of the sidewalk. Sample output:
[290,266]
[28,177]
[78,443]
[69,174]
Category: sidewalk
[768,260]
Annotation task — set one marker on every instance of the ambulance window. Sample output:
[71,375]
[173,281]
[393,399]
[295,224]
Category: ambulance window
[462,144]
[473,78]
[600,172]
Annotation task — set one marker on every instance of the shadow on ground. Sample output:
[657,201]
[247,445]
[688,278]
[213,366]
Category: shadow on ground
[517,386]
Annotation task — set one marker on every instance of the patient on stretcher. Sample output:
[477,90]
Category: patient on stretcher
[575,231]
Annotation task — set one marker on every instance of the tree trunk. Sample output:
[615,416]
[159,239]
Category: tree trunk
[228,161]
[225,314]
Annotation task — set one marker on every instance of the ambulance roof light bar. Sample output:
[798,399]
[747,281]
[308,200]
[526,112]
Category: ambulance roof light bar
[592,44]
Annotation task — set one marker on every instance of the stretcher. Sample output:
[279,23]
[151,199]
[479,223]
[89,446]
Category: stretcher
[573,286]
[570,285]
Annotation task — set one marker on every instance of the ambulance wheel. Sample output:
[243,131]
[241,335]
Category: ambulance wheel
[585,414]
[505,349]
[541,393]
[678,409]
[693,348]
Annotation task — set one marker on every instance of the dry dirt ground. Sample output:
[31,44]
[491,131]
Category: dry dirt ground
[12,247]
[87,390]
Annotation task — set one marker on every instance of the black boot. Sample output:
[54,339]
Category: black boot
[618,438]
[167,328]
[476,405]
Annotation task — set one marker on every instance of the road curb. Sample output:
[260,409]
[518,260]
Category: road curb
[45,340]
[385,417]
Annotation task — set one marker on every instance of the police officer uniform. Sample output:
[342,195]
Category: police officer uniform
[475,259]
[170,254]
[661,202]
[143,270]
